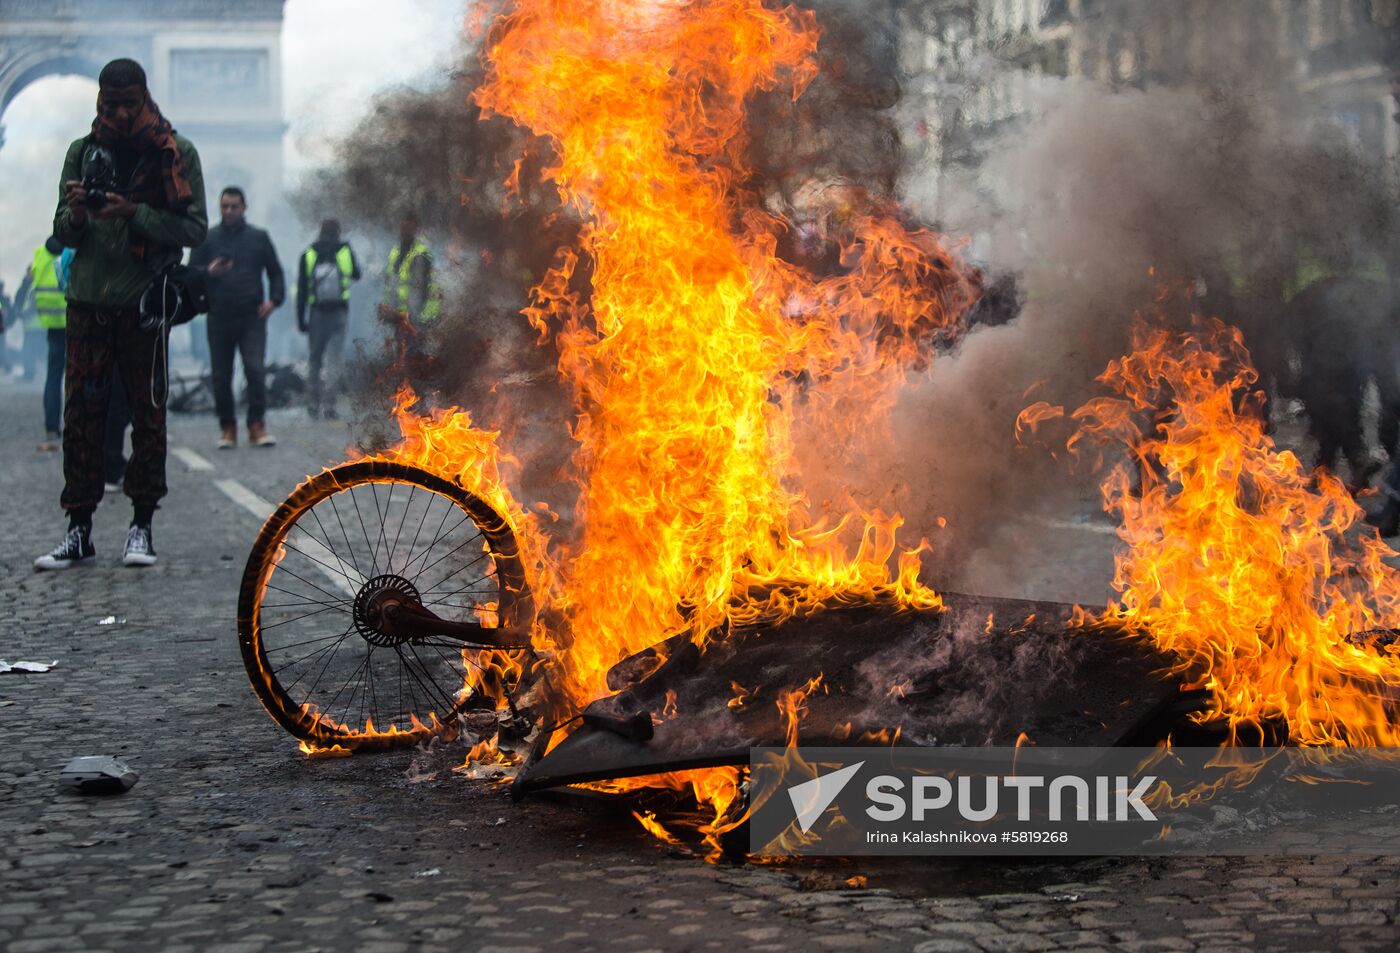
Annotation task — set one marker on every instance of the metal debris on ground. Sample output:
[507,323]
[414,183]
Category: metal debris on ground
[98,774]
[983,671]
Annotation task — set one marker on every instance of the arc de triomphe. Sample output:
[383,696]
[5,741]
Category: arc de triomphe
[214,66]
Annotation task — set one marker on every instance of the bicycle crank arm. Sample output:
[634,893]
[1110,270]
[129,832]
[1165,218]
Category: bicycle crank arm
[411,622]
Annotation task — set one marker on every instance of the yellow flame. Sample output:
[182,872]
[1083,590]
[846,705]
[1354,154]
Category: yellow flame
[1246,566]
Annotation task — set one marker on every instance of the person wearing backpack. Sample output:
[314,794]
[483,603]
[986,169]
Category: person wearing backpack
[328,267]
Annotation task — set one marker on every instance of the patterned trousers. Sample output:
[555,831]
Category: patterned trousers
[98,341]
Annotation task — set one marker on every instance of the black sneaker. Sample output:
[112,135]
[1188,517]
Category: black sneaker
[75,550]
[140,551]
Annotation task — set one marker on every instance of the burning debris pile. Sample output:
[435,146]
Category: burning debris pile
[725,281]
[862,675]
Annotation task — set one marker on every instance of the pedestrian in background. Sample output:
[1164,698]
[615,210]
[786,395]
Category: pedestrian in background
[50,273]
[410,288]
[131,196]
[7,314]
[236,256]
[328,268]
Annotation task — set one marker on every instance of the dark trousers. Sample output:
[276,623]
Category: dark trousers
[53,380]
[326,342]
[32,352]
[97,342]
[1334,420]
[199,342]
[1386,368]
[247,335]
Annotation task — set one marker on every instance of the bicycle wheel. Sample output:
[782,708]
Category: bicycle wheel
[349,547]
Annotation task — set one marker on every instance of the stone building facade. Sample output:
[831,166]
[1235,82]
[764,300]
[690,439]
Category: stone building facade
[1337,56]
[214,66]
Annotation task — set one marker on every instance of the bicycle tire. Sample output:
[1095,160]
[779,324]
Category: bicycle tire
[513,604]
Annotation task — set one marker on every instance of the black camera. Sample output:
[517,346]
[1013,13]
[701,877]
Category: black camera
[99,177]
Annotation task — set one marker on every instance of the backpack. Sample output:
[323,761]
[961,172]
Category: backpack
[174,297]
[326,282]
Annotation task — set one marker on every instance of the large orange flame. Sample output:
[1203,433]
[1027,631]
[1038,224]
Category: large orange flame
[1237,559]
[687,359]
[698,347]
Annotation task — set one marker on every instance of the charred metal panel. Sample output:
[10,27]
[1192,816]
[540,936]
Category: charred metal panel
[980,673]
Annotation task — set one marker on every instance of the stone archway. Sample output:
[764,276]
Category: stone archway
[214,66]
[18,72]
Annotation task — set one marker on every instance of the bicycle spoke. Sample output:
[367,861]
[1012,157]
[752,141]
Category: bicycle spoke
[338,603]
[439,538]
[466,659]
[272,625]
[332,649]
[312,655]
[406,507]
[348,548]
[489,588]
[310,693]
[372,699]
[339,600]
[341,690]
[328,568]
[296,645]
[451,667]
[434,693]
[478,559]
[432,499]
[369,547]
[399,672]
[447,661]
[331,549]
[485,577]
[379,531]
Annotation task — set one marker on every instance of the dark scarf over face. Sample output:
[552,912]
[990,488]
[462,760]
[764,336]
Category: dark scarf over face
[163,184]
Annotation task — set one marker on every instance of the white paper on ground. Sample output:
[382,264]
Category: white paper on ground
[26,666]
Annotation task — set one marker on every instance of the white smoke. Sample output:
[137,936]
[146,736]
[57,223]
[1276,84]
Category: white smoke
[1097,202]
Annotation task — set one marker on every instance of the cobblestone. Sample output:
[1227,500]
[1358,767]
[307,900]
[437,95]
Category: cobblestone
[232,842]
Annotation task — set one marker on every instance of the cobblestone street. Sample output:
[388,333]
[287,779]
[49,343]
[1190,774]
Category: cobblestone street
[232,842]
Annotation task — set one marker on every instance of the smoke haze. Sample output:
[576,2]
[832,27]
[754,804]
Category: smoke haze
[1215,179]
[1096,203]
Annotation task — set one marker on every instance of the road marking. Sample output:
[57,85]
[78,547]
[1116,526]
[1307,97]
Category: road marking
[191,459]
[323,559]
[245,498]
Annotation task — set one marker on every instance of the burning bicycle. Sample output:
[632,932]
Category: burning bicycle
[365,598]
[382,602]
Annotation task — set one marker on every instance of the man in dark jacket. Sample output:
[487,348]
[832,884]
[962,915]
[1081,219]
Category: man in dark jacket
[327,269]
[235,256]
[143,201]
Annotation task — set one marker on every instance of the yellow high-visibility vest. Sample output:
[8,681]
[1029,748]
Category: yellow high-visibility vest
[50,303]
[397,284]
